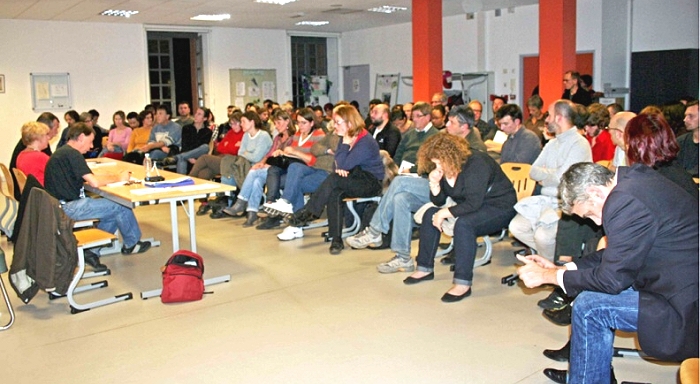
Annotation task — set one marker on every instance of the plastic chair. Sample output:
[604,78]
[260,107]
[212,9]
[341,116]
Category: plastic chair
[21,178]
[11,203]
[519,175]
[3,269]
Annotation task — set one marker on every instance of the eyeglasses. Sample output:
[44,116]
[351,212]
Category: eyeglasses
[476,110]
[417,115]
[338,122]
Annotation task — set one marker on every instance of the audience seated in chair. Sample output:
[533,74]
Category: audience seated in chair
[481,200]
[195,142]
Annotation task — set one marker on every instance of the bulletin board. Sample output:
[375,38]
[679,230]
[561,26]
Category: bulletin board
[252,86]
[386,88]
[51,91]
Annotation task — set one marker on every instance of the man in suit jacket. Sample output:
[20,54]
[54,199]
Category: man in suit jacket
[644,281]
[387,135]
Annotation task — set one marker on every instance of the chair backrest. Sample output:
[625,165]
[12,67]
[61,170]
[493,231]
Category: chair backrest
[9,184]
[21,178]
[605,163]
[519,174]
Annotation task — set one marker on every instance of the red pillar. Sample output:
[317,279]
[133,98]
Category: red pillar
[427,48]
[557,46]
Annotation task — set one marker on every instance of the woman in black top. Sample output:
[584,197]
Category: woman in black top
[483,203]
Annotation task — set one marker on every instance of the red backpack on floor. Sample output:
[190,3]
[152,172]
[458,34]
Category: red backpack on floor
[182,277]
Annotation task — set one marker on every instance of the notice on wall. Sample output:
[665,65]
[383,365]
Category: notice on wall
[252,86]
[50,91]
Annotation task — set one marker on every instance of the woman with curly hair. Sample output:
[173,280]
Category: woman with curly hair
[597,133]
[650,141]
[470,196]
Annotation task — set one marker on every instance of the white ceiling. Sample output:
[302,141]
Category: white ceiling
[343,15]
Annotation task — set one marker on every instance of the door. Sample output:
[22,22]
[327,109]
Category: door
[356,86]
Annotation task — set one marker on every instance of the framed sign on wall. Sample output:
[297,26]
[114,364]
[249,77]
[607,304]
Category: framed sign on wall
[51,91]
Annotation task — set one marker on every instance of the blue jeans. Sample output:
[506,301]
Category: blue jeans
[595,317]
[253,187]
[405,195]
[112,216]
[192,154]
[301,179]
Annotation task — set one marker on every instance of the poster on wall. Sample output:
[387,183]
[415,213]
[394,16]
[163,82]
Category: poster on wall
[386,88]
[51,91]
[252,86]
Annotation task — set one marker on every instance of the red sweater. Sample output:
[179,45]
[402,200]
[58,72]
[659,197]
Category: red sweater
[230,144]
[602,146]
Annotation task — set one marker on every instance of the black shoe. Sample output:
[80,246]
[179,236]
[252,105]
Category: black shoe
[170,160]
[301,218]
[450,298]
[337,246]
[522,252]
[449,258]
[93,260]
[203,209]
[559,354]
[270,222]
[139,247]
[556,300]
[556,375]
[217,213]
[559,317]
[251,219]
[237,209]
[413,280]
[561,376]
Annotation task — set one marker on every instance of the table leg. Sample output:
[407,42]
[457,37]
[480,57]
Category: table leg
[173,223]
[190,216]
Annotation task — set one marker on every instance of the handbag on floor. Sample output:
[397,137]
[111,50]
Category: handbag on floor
[183,277]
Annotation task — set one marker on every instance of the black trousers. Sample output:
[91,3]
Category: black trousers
[334,189]
[573,233]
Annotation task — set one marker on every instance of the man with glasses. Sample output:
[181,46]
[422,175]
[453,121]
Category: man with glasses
[617,134]
[572,90]
[480,124]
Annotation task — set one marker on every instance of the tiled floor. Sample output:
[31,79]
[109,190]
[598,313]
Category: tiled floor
[292,313]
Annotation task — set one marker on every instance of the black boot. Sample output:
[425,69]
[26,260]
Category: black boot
[251,219]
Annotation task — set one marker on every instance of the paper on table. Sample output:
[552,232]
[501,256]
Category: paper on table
[500,137]
[94,164]
[405,165]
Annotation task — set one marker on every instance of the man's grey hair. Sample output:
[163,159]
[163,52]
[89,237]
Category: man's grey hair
[575,181]
[464,115]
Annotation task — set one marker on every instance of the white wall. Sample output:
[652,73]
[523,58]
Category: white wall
[667,25]
[108,67]
[106,62]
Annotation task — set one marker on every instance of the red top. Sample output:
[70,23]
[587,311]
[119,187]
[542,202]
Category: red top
[602,146]
[33,163]
[230,144]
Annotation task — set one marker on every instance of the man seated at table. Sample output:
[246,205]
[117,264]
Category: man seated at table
[66,173]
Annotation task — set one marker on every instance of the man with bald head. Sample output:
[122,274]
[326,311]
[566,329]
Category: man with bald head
[386,134]
[616,127]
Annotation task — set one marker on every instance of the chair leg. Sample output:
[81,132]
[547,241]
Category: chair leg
[73,288]
[8,304]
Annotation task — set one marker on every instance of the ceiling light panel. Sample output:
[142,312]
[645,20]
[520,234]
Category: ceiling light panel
[118,13]
[387,9]
[220,17]
[278,2]
[313,23]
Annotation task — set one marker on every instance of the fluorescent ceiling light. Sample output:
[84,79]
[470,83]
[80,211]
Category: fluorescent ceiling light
[279,2]
[387,9]
[118,13]
[224,16]
[313,23]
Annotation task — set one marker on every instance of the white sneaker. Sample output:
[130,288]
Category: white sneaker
[397,264]
[291,233]
[364,239]
[280,207]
